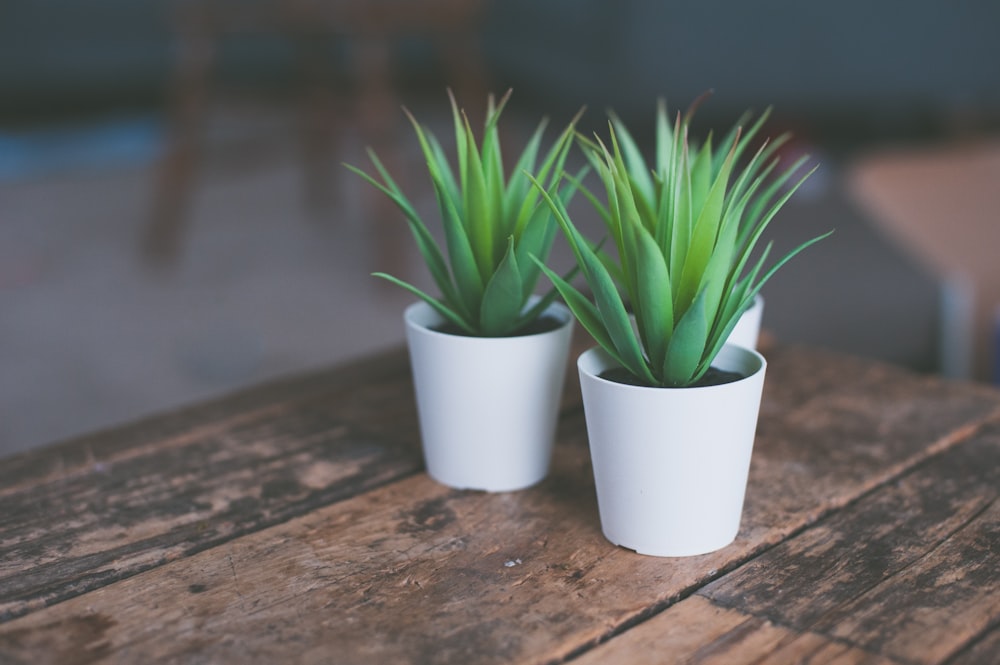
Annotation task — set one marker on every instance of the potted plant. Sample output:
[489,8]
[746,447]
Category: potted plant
[747,329]
[671,409]
[488,355]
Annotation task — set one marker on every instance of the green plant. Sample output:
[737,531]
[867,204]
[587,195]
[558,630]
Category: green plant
[684,234]
[492,226]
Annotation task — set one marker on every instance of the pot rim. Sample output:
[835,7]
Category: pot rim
[755,356]
[555,308]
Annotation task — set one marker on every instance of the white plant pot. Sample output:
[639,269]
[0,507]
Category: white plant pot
[747,329]
[671,464]
[487,405]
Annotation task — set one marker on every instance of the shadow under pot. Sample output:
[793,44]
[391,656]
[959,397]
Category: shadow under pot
[671,464]
[487,405]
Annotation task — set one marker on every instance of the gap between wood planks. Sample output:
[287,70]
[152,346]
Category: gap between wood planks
[941,447]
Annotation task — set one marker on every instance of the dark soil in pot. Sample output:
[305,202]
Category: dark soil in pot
[713,377]
[543,324]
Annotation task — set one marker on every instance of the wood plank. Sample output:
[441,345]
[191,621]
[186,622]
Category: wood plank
[412,572]
[243,465]
[911,571]
[79,455]
[696,630]
[859,422]
[136,497]
[981,652]
[340,385]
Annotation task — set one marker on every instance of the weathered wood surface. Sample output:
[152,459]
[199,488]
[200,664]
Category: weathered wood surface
[400,569]
[697,630]
[909,573]
[925,547]
[97,510]
[982,652]
[80,515]
[149,436]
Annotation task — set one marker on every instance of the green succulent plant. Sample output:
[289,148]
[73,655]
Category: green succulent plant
[493,225]
[684,232]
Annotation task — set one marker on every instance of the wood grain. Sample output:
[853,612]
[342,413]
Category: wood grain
[411,572]
[241,465]
[83,514]
[697,630]
[911,571]
[981,652]
[843,421]
[79,456]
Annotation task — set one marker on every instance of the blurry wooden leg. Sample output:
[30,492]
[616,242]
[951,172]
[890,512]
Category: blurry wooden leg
[466,72]
[318,121]
[377,116]
[376,106]
[187,100]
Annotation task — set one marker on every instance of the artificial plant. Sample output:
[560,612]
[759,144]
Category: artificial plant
[684,231]
[493,224]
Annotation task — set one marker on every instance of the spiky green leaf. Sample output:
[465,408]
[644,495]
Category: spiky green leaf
[503,297]
[441,308]
[687,345]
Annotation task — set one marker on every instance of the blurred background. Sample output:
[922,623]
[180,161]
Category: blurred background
[175,222]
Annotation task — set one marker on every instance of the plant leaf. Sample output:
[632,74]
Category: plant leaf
[550,169]
[705,233]
[701,176]
[460,140]
[634,160]
[443,169]
[478,216]
[503,297]
[519,199]
[653,307]
[681,224]
[426,244]
[664,141]
[684,353]
[468,281]
[584,311]
[493,175]
[533,312]
[609,304]
[440,307]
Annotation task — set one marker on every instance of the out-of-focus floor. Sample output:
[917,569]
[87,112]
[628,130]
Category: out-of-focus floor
[92,334]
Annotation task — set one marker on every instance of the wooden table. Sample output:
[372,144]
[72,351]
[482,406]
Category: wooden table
[942,204]
[292,524]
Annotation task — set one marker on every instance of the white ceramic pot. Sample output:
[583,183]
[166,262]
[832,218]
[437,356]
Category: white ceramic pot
[747,329]
[671,464]
[487,405]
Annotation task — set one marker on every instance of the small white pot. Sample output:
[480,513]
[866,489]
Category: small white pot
[487,405]
[747,329]
[671,464]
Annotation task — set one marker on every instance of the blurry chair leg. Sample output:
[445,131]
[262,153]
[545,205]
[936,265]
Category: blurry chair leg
[467,75]
[376,104]
[318,122]
[162,238]
[378,115]
[187,101]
